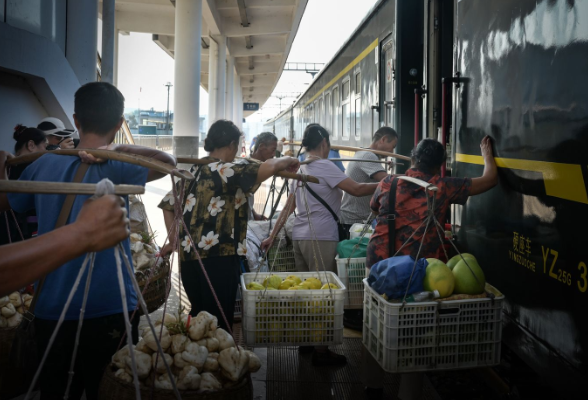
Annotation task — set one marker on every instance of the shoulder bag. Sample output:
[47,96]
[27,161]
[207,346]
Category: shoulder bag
[340,229]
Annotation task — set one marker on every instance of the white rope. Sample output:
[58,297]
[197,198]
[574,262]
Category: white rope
[79,331]
[59,323]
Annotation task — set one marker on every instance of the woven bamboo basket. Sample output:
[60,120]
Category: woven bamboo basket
[157,291]
[112,388]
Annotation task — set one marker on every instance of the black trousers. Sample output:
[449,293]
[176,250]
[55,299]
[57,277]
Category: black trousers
[224,275]
[99,341]
[347,227]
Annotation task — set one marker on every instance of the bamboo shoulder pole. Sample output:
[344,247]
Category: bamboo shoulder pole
[282,174]
[356,149]
[109,155]
[63,188]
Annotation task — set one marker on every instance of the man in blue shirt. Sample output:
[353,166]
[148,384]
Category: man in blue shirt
[98,116]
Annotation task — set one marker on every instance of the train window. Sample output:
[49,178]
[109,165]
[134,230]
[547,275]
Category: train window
[328,112]
[346,110]
[336,102]
[358,105]
[321,113]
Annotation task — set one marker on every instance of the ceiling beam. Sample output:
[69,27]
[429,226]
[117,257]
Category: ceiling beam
[248,43]
[263,26]
[260,69]
[269,80]
[166,43]
[262,45]
[243,13]
[228,4]
[145,22]
[212,17]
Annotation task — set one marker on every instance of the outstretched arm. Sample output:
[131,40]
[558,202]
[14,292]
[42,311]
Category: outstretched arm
[489,178]
[357,189]
[138,150]
[101,224]
[274,165]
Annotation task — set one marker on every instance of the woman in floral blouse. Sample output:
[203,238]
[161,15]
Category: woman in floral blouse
[215,210]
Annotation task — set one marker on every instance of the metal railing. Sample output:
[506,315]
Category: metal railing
[161,142]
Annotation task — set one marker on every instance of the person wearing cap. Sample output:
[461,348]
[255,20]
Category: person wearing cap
[58,137]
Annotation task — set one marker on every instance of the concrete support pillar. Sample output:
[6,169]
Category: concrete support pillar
[187,78]
[82,39]
[212,66]
[240,108]
[108,34]
[115,63]
[230,91]
[236,97]
[221,76]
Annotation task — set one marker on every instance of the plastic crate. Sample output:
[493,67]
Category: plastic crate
[293,317]
[432,335]
[238,306]
[352,271]
[281,260]
[353,234]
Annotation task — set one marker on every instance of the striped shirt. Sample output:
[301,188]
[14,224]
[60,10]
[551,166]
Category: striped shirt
[357,209]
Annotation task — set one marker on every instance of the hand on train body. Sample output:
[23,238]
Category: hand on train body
[103,223]
[486,147]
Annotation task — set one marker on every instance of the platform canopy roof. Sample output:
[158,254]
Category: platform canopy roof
[259,35]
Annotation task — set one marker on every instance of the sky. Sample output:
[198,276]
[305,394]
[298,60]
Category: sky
[144,68]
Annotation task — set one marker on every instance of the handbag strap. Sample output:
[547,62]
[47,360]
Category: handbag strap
[61,221]
[324,203]
[391,217]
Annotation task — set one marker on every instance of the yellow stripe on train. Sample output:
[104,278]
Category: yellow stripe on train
[561,180]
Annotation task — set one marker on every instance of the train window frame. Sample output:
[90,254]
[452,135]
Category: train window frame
[356,99]
[328,112]
[346,104]
[321,111]
[336,111]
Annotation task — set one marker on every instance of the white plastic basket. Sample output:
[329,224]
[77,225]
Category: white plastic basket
[238,306]
[353,234]
[352,271]
[282,259]
[293,317]
[432,335]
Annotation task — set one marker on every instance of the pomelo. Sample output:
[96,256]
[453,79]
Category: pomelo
[455,259]
[465,281]
[438,277]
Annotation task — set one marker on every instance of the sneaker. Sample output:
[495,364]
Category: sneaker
[324,358]
[305,349]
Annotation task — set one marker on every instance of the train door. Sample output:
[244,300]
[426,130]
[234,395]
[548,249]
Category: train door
[388,81]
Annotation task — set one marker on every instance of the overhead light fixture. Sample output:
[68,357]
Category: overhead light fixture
[248,43]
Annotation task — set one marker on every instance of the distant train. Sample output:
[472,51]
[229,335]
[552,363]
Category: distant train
[457,70]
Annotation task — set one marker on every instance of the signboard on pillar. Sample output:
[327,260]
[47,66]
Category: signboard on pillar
[250,106]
